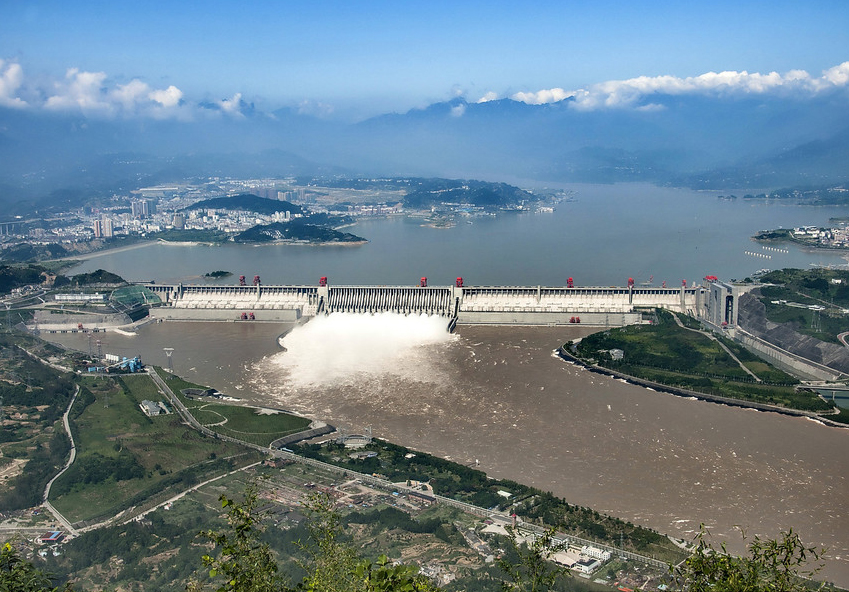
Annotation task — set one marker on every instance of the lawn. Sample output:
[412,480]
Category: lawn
[672,355]
[237,421]
[123,456]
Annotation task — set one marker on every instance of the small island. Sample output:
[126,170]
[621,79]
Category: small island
[218,274]
[296,232]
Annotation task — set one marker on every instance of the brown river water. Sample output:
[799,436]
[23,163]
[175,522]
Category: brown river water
[498,396]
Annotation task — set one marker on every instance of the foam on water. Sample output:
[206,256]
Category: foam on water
[344,347]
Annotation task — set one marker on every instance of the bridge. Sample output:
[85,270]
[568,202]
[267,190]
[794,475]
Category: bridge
[526,305]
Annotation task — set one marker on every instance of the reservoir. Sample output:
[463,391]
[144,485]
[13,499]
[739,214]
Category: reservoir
[603,237]
[497,394]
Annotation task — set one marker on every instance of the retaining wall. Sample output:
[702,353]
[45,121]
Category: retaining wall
[595,319]
[169,313]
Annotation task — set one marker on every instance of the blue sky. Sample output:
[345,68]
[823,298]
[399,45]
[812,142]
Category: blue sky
[364,58]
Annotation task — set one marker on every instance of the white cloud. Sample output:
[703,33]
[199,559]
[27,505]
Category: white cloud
[11,79]
[551,95]
[232,106]
[630,93]
[83,90]
[91,93]
[128,95]
[170,97]
[490,96]
[458,110]
[838,75]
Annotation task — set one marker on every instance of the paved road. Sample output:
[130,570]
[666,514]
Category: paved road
[174,498]
[377,482]
[720,344]
[62,520]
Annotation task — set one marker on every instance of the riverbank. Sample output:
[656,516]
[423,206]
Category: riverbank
[682,392]
[80,257]
[498,399]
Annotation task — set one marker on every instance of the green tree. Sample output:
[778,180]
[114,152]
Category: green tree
[245,562]
[334,565]
[18,575]
[533,571]
[772,565]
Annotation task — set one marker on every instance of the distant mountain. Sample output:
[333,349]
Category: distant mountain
[696,140]
[246,202]
[810,164]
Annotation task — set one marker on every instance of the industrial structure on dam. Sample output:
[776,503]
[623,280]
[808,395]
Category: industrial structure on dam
[713,301]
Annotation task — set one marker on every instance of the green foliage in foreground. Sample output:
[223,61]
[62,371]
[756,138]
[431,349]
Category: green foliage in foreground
[532,572]
[18,575]
[772,565]
[241,560]
[247,564]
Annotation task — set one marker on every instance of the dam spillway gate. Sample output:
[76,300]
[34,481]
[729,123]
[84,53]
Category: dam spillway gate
[401,300]
[525,305]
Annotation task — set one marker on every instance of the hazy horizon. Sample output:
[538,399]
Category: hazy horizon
[718,95]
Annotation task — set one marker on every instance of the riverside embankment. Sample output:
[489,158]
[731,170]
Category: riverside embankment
[682,392]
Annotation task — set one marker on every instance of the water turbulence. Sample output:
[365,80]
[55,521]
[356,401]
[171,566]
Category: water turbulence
[346,348]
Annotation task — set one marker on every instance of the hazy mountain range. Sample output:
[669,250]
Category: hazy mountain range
[721,142]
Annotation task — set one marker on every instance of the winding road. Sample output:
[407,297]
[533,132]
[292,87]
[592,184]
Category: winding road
[59,517]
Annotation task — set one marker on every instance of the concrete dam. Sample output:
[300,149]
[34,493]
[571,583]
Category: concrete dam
[521,305]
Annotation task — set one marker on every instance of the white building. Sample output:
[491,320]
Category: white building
[595,553]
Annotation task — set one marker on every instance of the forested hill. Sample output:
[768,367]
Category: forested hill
[428,192]
[247,202]
[295,231]
[424,192]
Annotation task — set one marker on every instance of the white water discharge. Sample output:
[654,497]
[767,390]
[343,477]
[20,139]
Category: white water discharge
[343,348]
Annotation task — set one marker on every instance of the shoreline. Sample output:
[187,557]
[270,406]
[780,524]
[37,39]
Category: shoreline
[688,394]
[101,252]
[82,257]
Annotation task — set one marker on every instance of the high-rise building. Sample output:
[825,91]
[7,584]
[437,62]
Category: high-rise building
[98,229]
[108,231]
[142,208]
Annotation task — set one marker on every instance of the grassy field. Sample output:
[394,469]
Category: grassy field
[124,457]
[251,424]
[675,356]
